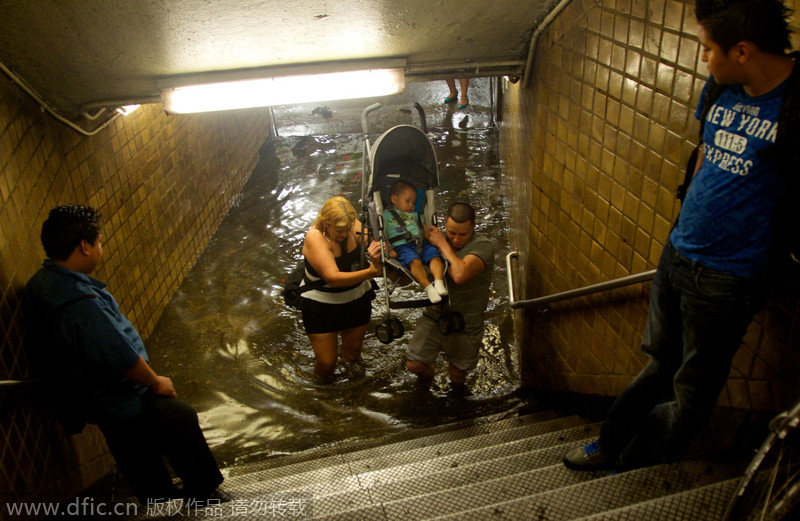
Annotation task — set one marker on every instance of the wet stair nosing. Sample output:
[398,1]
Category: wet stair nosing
[505,469]
[344,453]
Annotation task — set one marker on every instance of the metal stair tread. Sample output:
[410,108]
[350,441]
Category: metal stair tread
[391,458]
[411,437]
[463,474]
[415,479]
[466,498]
[598,495]
[509,470]
[698,504]
[340,467]
[431,488]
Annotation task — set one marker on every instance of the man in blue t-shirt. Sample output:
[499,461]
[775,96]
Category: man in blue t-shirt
[711,276]
[96,363]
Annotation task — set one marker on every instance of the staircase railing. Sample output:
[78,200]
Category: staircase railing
[19,385]
[569,294]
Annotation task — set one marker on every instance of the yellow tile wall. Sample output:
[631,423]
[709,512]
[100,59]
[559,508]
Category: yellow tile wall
[595,146]
[162,184]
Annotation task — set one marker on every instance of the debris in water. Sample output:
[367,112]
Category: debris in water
[325,112]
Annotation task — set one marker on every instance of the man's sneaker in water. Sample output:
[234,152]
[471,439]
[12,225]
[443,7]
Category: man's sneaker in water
[589,457]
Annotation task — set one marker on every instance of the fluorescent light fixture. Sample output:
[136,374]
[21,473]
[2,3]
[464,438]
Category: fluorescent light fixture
[127,110]
[293,87]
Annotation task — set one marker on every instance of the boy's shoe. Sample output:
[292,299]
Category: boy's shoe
[433,295]
[589,457]
[441,289]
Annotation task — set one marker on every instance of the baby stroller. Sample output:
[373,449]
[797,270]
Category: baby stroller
[402,153]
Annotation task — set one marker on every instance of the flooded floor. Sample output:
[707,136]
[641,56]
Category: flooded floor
[241,357]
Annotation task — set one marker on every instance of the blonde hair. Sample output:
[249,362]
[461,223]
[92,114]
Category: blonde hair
[337,211]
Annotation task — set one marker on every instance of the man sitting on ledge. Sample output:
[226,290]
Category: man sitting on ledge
[96,362]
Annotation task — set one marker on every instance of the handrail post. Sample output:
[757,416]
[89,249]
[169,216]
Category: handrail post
[572,293]
[17,385]
[512,302]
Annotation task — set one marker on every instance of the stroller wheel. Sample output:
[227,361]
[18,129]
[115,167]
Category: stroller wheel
[396,327]
[383,333]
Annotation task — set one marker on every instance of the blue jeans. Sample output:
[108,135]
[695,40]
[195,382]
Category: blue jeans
[695,324]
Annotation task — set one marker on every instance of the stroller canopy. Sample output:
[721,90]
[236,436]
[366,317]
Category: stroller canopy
[402,152]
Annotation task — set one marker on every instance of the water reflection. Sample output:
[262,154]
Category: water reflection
[241,357]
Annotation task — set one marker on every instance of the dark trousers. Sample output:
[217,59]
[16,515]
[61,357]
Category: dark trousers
[167,427]
[696,322]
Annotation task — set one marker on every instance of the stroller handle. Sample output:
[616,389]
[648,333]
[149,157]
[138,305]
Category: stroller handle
[365,113]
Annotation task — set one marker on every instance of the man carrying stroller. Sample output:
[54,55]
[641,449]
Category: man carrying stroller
[471,263]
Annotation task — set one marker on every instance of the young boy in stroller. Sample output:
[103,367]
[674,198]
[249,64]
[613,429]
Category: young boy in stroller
[408,241]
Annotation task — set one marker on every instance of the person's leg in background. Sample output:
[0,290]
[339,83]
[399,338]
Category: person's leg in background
[453,93]
[463,101]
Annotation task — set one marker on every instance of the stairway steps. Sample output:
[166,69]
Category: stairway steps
[472,495]
[482,447]
[507,469]
[341,469]
[319,458]
[425,477]
[700,504]
[342,486]
[598,495]
[414,481]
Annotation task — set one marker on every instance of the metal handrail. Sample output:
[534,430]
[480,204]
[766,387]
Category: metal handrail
[572,293]
[13,385]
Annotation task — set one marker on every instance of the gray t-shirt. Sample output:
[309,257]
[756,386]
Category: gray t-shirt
[470,298]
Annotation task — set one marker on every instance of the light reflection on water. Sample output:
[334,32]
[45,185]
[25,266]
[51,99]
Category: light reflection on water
[241,357]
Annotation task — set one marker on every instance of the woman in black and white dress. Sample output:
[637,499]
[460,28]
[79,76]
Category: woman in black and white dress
[342,307]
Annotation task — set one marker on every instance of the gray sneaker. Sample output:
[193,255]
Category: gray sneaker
[589,457]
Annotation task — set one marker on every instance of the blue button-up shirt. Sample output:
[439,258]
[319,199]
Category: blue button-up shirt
[77,336]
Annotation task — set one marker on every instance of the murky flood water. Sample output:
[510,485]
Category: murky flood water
[240,356]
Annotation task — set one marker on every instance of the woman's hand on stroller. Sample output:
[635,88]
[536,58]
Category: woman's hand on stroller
[374,253]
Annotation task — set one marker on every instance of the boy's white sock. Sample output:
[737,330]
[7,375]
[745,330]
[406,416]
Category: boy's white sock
[441,289]
[433,295]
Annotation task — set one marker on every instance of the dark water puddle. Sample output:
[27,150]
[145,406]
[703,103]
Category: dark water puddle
[241,357]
